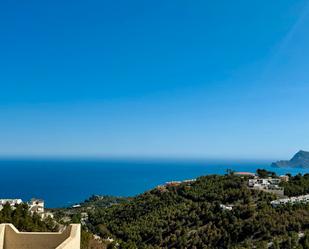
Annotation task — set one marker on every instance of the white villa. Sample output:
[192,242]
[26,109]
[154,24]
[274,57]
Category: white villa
[226,207]
[36,206]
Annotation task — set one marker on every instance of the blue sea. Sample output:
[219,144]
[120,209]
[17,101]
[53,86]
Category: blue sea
[66,182]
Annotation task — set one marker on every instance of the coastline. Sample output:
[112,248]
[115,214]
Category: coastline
[64,183]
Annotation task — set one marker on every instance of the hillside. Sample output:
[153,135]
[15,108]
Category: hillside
[300,160]
[191,216]
[212,212]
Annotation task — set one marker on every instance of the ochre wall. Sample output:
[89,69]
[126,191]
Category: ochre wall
[69,239]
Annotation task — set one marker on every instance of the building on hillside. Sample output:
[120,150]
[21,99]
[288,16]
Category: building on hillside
[258,183]
[264,182]
[270,185]
[226,207]
[173,183]
[284,178]
[177,183]
[161,188]
[11,238]
[46,215]
[189,181]
[36,206]
[292,200]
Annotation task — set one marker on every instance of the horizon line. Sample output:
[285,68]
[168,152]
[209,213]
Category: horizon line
[131,158]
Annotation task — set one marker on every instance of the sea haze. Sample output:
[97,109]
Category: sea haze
[66,182]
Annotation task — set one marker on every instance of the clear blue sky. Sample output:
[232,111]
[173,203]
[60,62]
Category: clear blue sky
[216,79]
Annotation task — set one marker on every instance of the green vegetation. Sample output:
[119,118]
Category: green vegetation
[88,242]
[190,216]
[263,173]
[103,201]
[22,220]
[297,185]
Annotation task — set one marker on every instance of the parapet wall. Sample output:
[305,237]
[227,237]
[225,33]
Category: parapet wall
[11,238]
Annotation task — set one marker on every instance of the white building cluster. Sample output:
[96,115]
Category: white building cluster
[162,188]
[264,182]
[292,200]
[11,202]
[268,184]
[177,183]
[36,206]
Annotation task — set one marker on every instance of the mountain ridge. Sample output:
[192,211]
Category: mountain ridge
[299,160]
